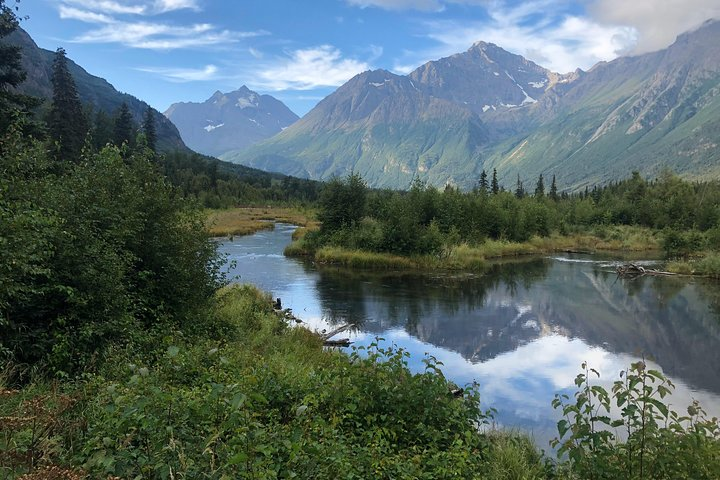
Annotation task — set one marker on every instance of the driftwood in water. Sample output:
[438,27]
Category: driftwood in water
[332,333]
[634,270]
[343,342]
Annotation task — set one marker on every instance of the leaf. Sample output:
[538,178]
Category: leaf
[563,426]
[173,351]
[239,457]
[238,400]
[300,410]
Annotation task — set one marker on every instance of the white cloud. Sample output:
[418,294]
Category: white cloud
[159,36]
[657,23]
[182,75]
[425,5]
[553,39]
[67,12]
[310,68]
[134,7]
[110,7]
[171,5]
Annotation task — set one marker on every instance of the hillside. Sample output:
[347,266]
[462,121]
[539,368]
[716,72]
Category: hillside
[93,90]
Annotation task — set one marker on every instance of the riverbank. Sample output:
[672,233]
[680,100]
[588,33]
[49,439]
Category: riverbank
[474,257]
[253,397]
[248,220]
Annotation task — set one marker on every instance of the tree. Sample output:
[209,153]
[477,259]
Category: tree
[519,189]
[124,126]
[483,184]
[540,187]
[553,190]
[495,186]
[342,203]
[12,74]
[148,127]
[67,124]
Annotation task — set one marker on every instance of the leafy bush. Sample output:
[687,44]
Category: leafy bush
[645,439]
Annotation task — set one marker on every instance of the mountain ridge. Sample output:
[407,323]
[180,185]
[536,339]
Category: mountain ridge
[94,90]
[487,108]
[229,121]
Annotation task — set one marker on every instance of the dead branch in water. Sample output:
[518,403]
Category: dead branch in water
[634,270]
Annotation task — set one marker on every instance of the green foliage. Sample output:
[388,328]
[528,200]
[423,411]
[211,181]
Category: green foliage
[263,400]
[632,433]
[67,124]
[149,129]
[124,131]
[94,256]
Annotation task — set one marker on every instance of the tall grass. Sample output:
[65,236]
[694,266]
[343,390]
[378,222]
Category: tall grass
[248,220]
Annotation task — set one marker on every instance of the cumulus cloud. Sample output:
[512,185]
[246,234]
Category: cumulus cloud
[182,75]
[305,69]
[657,23]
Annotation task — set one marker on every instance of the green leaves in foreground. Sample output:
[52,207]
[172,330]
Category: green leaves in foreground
[632,433]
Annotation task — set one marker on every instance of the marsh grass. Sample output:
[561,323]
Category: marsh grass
[248,220]
[708,266]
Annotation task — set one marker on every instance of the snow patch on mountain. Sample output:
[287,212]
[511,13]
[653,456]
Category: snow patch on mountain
[210,128]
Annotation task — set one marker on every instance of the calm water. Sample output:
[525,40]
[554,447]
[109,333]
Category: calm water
[521,329]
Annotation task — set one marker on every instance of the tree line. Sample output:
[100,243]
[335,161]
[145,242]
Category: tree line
[424,219]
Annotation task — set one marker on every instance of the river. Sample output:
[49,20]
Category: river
[521,329]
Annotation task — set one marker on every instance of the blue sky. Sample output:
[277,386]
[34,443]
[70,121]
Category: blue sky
[166,51]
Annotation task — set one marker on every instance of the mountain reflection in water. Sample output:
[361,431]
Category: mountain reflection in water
[521,329]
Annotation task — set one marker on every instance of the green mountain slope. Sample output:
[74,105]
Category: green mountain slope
[486,108]
[93,90]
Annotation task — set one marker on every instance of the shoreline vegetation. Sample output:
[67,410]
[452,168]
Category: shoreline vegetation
[469,257]
[251,396]
[249,220]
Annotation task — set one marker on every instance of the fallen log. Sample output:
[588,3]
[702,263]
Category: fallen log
[332,333]
[343,342]
[634,270]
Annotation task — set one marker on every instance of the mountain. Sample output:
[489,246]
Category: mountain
[92,90]
[487,108]
[229,121]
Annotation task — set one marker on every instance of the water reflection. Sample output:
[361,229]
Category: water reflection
[521,329]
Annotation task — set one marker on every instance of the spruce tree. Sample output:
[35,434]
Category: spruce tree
[519,190]
[149,129]
[483,183]
[495,186]
[12,74]
[124,126]
[540,187]
[553,190]
[67,124]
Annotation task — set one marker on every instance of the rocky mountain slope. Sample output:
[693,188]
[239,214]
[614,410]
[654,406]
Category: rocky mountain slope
[229,121]
[93,90]
[487,108]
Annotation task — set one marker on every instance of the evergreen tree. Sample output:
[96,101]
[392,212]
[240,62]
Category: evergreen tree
[553,190]
[483,184]
[495,186]
[67,124]
[102,130]
[149,129]
[540,187]
[124,126]
[519,190]
[11,73]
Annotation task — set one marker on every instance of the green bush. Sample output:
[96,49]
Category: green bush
[643,439]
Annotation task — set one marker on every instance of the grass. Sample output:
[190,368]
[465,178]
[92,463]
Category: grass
[262,400]
[708,266]
[473,257]
[248,220]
